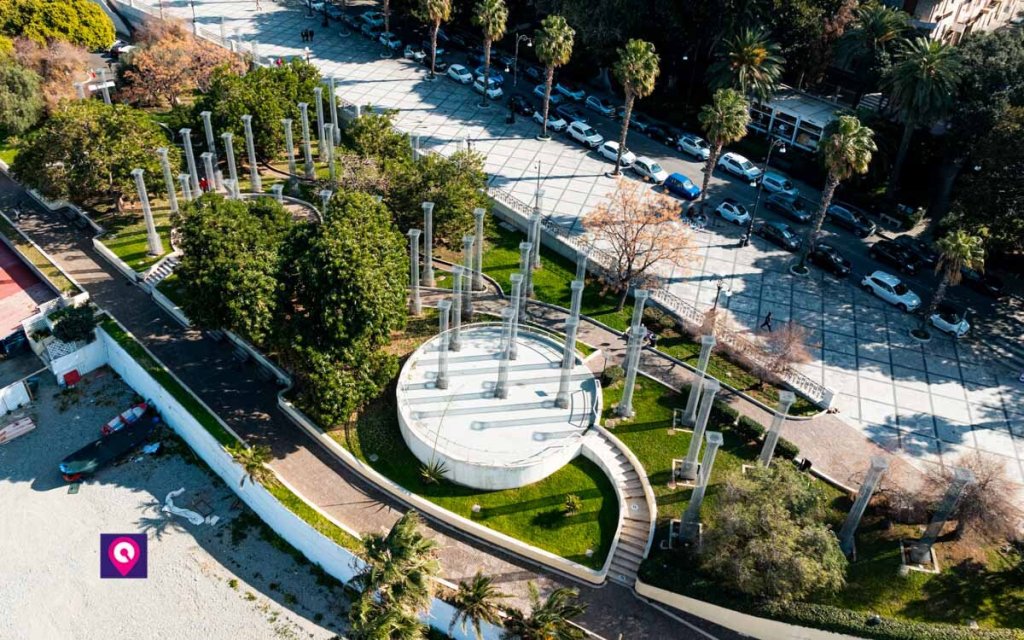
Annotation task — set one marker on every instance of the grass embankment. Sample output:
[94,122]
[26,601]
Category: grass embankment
[185,397]
[126,235]
[989,591]
[551,284]
[532,514]
[38,259]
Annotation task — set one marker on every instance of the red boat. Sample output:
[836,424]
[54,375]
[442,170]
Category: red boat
[124,419]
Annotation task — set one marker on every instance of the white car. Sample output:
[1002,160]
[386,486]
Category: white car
[584,134]
[390,40]
[694,145]
[891,289]
[600,105]
[610,150]
[733,212]
[373,18]
[739,166]
[951,320]
[460,74]
[775,182]
[493,88]
[649,170]
[571,92]
[555,123]
[555,99]
[414,54]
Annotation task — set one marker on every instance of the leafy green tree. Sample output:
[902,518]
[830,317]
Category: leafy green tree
[6,48]
[373,135]
[332,387]
[434,12]
[268,94]
[724,121]
[80,22]
[21,101]
[769,538]
[491,16]
[957,250]
[553,44]
[637,70]
[229,270]
[74,324]
[922,85]
[86,153]
[846,150]
[748,61]
[396,582]
[551,619]
[476,602]
[878,33]
[346,278]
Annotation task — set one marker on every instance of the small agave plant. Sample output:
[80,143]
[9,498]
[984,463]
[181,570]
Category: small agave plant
[434,471]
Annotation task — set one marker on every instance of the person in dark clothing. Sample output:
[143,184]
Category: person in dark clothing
[767,324]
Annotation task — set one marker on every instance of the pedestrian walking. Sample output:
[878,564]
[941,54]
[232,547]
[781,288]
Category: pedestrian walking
[258,7]
[767,324]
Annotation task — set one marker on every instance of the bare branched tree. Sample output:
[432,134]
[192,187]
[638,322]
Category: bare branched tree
[985,506]
[640,229]
[781,351]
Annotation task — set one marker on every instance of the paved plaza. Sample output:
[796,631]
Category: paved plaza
[931,402]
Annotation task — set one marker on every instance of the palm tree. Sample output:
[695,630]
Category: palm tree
[958,250]
[254,461]
[867,46]
[434,12]
[637,70]
[846,150]
[724,121]
[396,582]
[475,601]
[491,16]
[923,86]
[550,620]
[750,62]
[553,44]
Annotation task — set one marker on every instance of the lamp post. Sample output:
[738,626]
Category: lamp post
[308,51]
[192,3]
[515,59]
[719,286]
[776,142]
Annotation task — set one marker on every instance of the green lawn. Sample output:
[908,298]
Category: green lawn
[551,284]
[531,514]
[171,287]
[126,236]
[991,593]
[8,153]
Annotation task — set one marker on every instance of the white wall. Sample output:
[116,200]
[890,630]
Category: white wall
[13,396]
[89,358]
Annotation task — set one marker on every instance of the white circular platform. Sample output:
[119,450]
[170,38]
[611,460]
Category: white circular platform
[487,442]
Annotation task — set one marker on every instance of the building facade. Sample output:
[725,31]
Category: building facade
[951,20]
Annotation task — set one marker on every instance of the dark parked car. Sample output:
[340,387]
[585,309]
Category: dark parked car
[352,21]
[982,282]
[781,234]
[892,254]
[521,105]
[848,218]
[656,132]
[919,249]
[828,258]
[792,207]
[533,73]
[333,11]
[571,113]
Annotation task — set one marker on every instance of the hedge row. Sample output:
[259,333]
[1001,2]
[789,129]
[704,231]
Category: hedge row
[751,430]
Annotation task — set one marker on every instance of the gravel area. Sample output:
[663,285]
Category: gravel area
[231,580]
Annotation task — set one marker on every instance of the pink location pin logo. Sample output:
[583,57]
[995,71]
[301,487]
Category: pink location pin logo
[124,553]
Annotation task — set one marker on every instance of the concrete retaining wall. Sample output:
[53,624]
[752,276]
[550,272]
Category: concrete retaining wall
[89,358]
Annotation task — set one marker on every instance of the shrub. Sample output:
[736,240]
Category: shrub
[74,324]
[573,505]
[612,374]
[787,449]
[750,429]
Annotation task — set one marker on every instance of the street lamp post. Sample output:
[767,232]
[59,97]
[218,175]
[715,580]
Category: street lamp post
[515,59]
[719,286]
[192,3]
[308,51]
[777,142]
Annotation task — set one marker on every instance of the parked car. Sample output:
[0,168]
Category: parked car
[459,73]
[694,145]
[584,134]
[497,77]
[892,254]
[440,51]
[520,105]
[373,18]
[650,170]
[982,282]
[739,166]
[680,185]
[671,137]
[555,99]
[352,21]
[828,258]
[656,132]
[775,182]
[600,105]
[555,123]
[920,249]
[781,234]
[334,12]
[571,113]
[950,319]
[493,88]
[637,122]
[390,40]
[570,91]
[733,212]
[414,54]
[533,73]
[891,289]
[119,48]
[610,151]
[792,207]
[371,31]
[440,65]
[846,217]
[460,40]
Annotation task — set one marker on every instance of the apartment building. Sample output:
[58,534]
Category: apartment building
[951,20]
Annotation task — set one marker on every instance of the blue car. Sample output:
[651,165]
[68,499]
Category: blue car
[679,185]
[496,76]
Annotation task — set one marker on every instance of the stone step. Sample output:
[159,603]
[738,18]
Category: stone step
[633,538]
[625,568]
[630,552]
